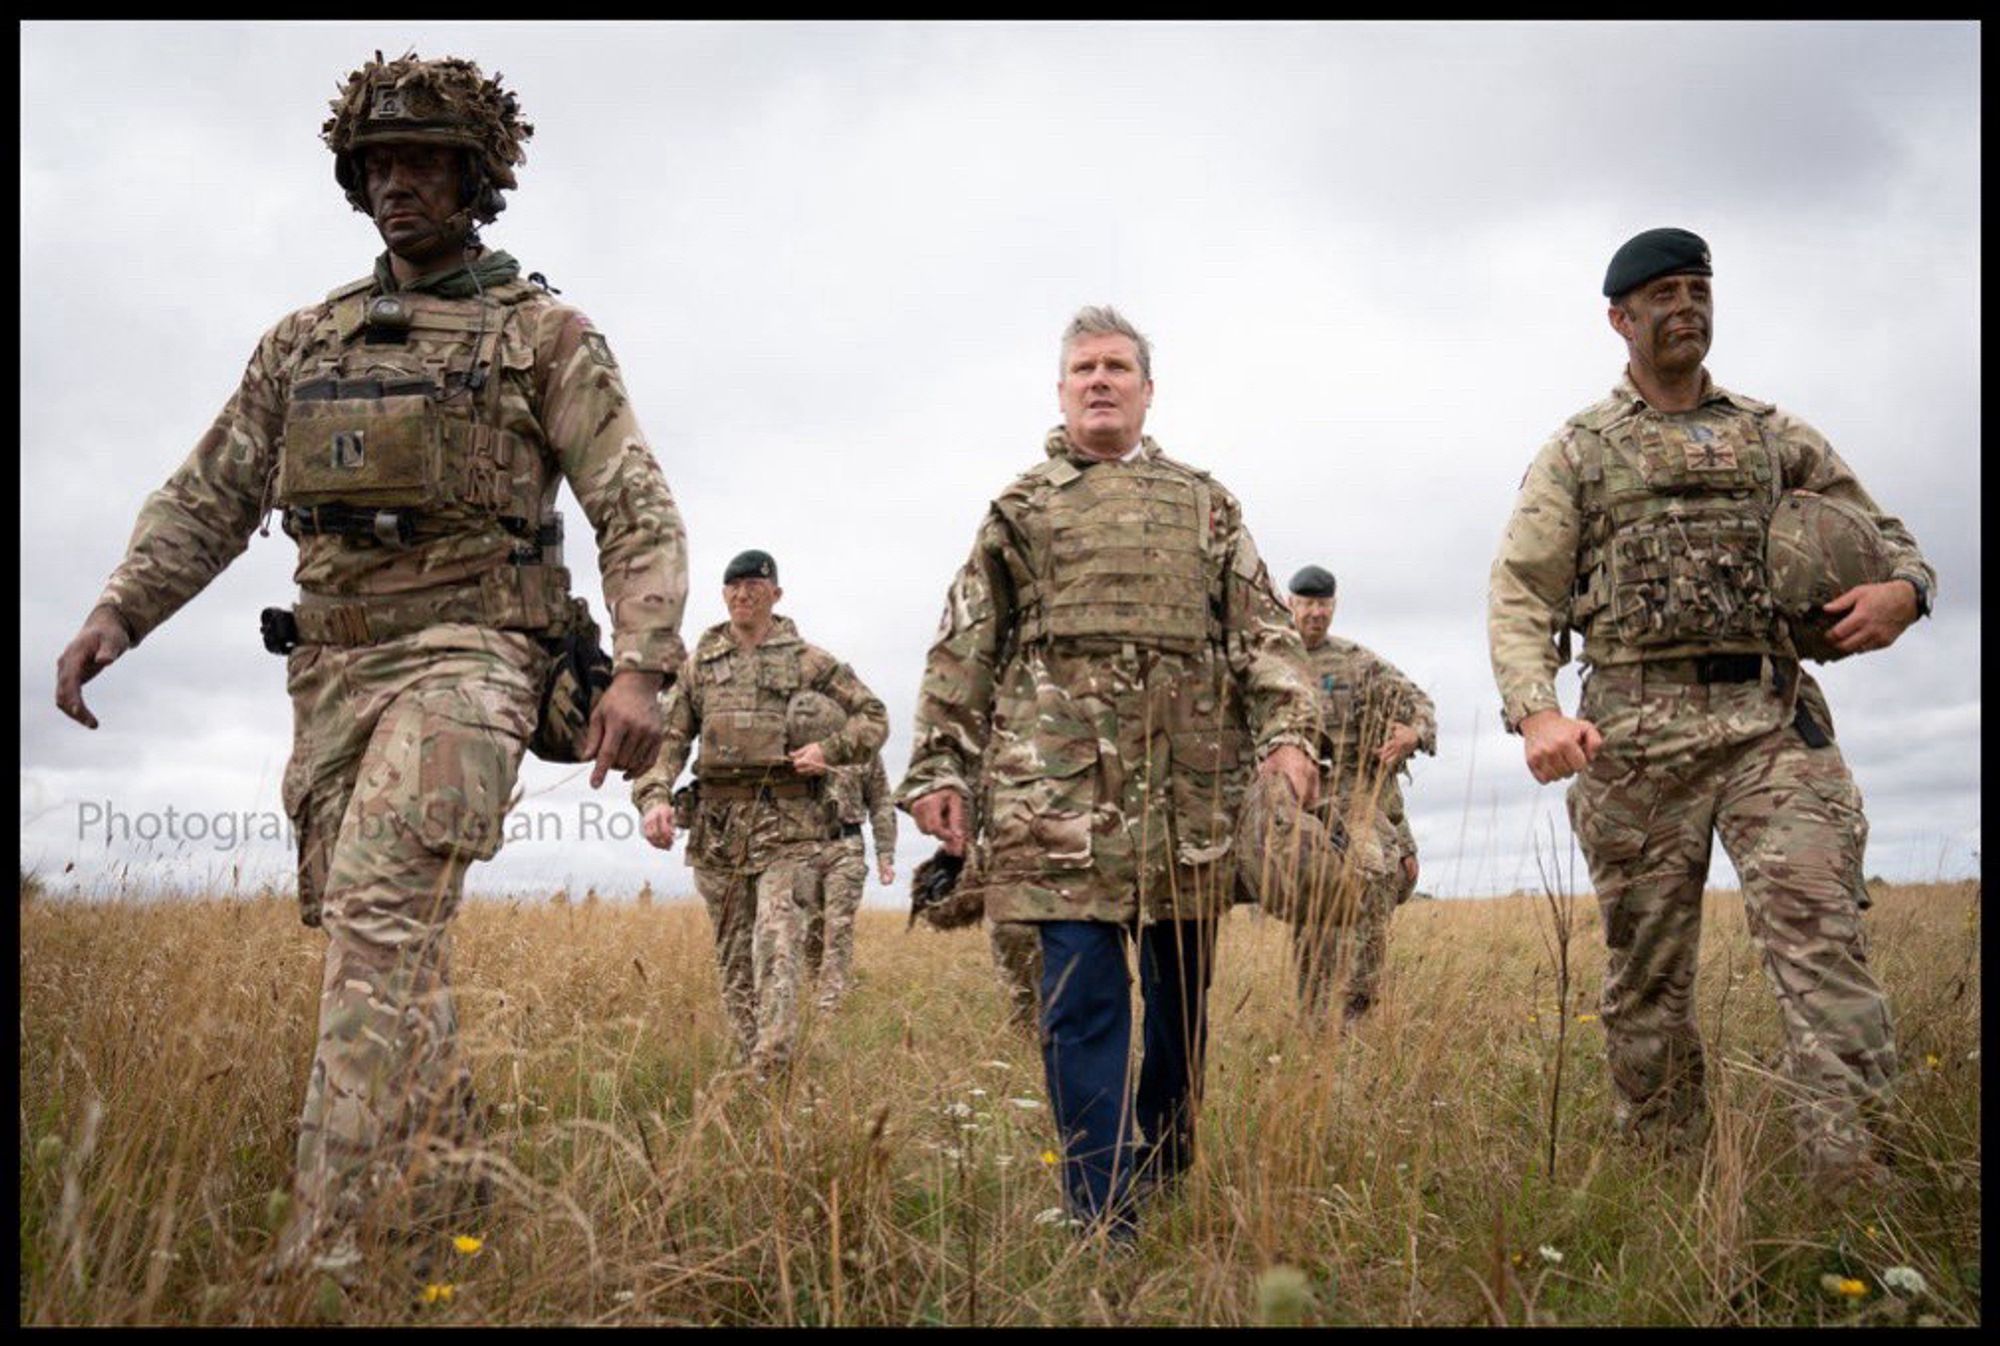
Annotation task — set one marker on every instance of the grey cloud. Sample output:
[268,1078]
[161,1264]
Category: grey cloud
[833,260]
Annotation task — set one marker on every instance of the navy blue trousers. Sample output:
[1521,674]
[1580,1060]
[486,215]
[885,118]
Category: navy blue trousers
[1110,1133]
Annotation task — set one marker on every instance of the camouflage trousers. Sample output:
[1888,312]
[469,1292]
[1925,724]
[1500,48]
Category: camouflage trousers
[1017,955]
[403,759]
[1326,954]
[840,872]
[1671,776]
[760,924]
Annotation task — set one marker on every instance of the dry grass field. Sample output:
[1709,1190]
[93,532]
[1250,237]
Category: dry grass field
[1396,1173]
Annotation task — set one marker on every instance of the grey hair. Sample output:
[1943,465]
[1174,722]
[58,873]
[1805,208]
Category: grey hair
[1104,320]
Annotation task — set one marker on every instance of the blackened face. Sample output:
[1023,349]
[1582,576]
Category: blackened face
[413,193]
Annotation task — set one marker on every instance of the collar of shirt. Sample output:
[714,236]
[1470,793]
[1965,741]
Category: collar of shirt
[1136,451]
[1711,391]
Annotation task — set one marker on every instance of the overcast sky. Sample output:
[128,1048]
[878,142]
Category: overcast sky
[834,262]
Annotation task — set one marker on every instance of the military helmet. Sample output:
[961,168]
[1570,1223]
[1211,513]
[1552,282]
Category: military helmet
[447,101]
[1299,866]
[577,680]
[810,717]
[1819,548]
[942,897]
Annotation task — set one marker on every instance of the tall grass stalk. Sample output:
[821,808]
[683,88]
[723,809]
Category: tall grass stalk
[1399,1166]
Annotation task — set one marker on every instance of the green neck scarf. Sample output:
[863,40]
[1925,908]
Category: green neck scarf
[464,282]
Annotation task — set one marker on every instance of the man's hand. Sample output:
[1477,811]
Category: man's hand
[625,729]
[100,642]
[1875,615]
[1289,762]
[941,814]
[1556,746]
[658,826]
[810,760]
[1396,749]
[886,868]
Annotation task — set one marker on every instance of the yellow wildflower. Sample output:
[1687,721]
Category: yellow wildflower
[468,1244]
[1586,1018]
[1844,1286]
[1933,1060]
[1048,1156]
[436,1293]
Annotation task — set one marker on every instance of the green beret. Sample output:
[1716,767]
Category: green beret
[1655,253]
[751,565]
[1313,582]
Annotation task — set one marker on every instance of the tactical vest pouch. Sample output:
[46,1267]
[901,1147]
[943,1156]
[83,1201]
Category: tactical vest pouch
[741,743]
[385,452]
[579,674]
[1679,579]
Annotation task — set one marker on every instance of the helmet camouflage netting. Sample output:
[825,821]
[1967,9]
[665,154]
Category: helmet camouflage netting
[447,101]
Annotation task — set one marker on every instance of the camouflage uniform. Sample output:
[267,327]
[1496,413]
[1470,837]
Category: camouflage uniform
[1017,955]
[1644,530]
[1109,657]
[1117,760]
[1361,695]
[854,795]
[755,826]
[415,685]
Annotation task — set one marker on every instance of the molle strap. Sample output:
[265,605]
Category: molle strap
[1775,474]
[486,360]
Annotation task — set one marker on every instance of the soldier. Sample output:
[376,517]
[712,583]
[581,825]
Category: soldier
[1114,652]
[757,817]
[854,795]
[1372,719]
[1642,525]
[412,428]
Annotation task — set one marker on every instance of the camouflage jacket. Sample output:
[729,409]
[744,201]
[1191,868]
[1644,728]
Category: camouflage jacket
[560,392]
[1108,773]
[859,794]
[1535,572]
[1360,695]
[748,834]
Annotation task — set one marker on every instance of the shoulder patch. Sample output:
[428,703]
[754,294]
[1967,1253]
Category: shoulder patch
[599,348]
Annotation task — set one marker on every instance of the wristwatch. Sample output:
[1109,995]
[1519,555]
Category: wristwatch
[1923,592]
